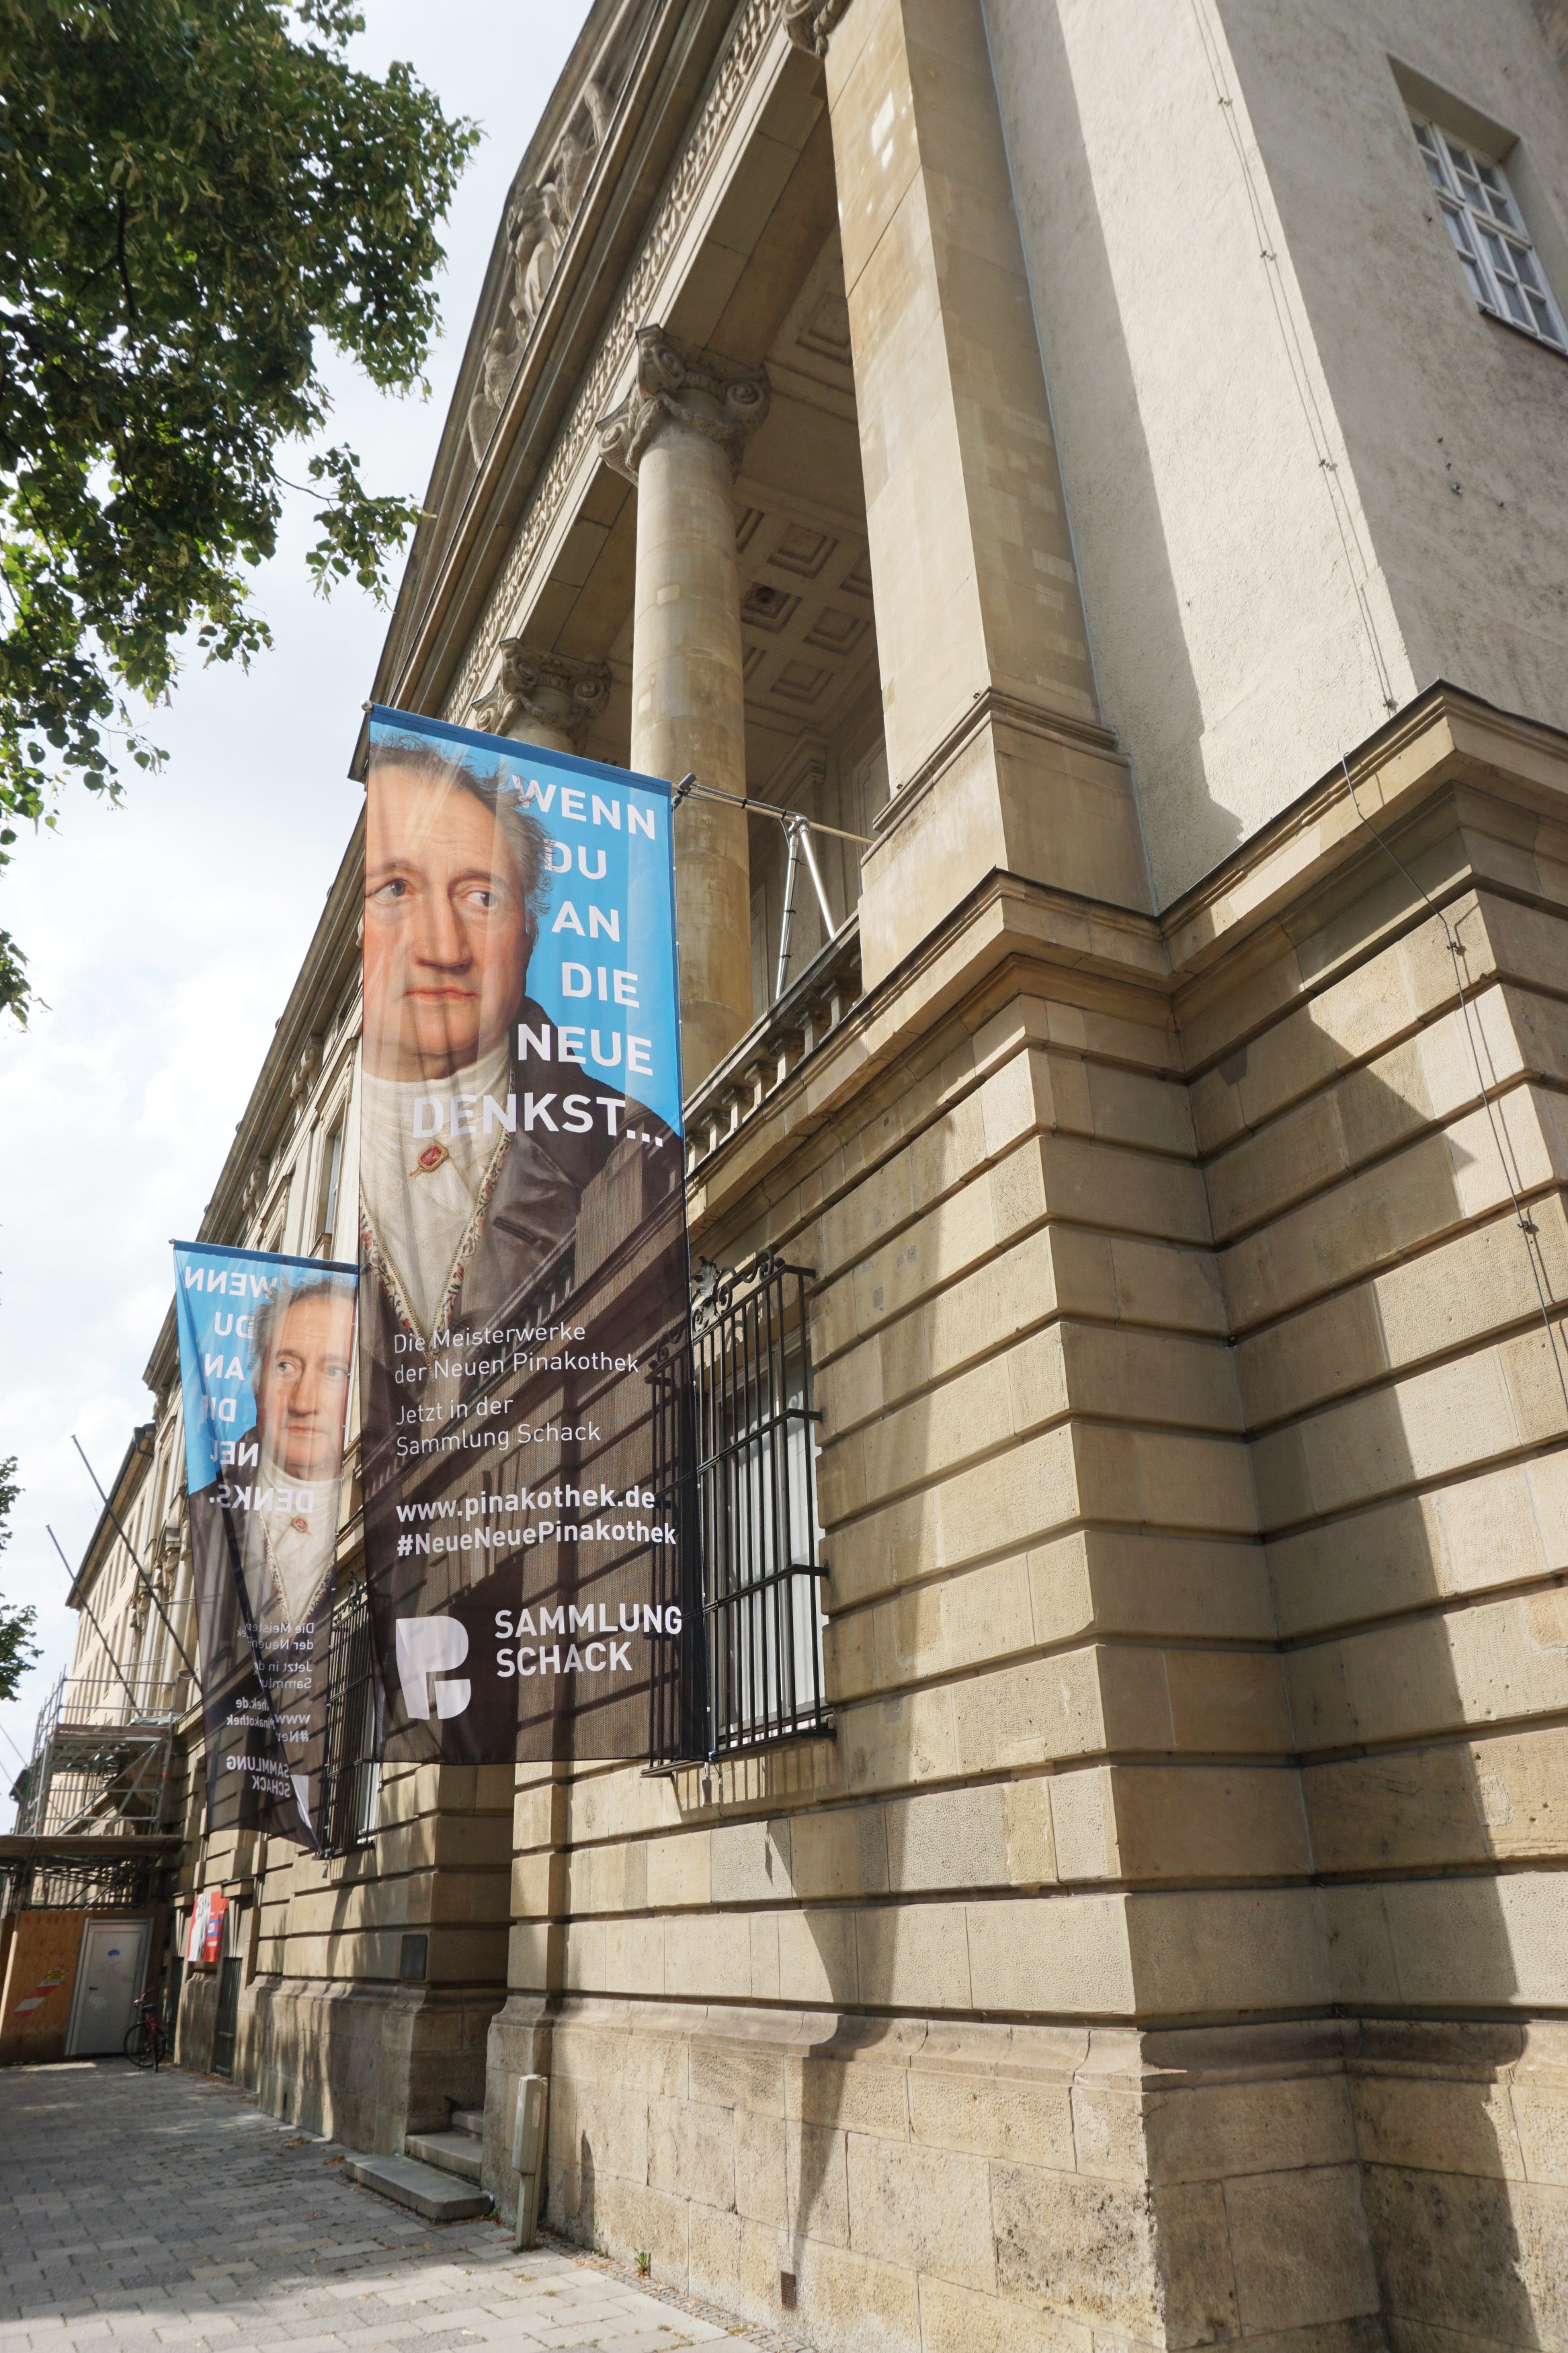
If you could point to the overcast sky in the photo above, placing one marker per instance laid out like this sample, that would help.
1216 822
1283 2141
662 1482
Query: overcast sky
164 937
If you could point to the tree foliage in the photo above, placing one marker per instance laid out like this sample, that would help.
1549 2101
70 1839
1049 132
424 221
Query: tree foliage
17 1650
196 197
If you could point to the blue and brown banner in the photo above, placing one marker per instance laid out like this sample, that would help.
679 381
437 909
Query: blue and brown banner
523 1249
267 1347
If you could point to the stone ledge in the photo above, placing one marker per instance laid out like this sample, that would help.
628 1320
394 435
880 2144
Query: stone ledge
436 2197
1444 737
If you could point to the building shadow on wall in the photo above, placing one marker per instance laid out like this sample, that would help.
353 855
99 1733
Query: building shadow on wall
1387 1511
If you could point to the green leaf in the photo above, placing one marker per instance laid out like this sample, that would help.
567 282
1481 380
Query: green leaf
199 196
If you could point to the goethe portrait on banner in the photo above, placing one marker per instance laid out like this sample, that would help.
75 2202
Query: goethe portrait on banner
462 1199
523 1243
278 1494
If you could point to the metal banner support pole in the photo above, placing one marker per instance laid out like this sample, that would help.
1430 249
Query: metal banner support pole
151 1589
791 833
804 830
93 1616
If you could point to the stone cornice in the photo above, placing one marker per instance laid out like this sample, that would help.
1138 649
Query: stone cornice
598 382
542 209
992 706
1010 926
457 596
1444 736
456 486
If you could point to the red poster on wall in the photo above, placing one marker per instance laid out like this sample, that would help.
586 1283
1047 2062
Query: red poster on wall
205 1942
212 1941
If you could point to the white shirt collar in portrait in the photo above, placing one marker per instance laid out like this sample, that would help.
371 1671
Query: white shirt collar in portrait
420 1200
292 1541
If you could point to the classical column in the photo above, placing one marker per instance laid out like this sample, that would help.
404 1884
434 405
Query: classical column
679 436
544 698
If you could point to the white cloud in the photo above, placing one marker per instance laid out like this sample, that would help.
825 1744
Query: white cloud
164 936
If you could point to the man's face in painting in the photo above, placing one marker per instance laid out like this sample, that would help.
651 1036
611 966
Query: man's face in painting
447 941
304 1388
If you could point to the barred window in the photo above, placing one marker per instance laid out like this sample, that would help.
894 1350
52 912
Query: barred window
736 1430
351 1778
1495 253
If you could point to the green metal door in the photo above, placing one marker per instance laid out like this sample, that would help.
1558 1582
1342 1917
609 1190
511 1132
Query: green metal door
228 2019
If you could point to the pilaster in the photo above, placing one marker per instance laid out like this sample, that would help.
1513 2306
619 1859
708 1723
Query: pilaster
997 748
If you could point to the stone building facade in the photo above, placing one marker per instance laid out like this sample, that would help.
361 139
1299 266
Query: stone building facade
1063 448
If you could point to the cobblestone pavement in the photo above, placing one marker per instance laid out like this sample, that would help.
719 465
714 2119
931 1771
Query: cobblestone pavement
145 2212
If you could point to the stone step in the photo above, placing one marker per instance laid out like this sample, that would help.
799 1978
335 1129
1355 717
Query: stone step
438 2196
470 2121
449 2152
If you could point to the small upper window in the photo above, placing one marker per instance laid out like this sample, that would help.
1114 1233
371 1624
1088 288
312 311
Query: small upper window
1489 236
332 1172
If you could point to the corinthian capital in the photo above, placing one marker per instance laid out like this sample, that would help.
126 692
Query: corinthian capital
809 22
720 399
549 690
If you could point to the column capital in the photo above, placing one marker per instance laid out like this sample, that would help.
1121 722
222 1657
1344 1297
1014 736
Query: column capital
722 399
810 23
556 691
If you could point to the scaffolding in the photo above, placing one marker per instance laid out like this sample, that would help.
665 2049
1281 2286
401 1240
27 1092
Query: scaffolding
93 1802
96 1875
101 1757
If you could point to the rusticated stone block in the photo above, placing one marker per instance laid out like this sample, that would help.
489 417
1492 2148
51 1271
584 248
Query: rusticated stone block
1086 2248
1437 2125
959 2320
714 2255
925 2210
1028 2123
1466 1802
859 2096
1217 2132
1487 2258
913 1958
761 2167
690 2152
1119 2256
731 2074
817 2186
1299 2241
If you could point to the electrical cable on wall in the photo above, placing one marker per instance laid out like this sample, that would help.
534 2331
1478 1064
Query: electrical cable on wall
1323 441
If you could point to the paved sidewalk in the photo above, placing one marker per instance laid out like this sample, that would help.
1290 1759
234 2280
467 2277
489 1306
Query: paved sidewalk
165 2213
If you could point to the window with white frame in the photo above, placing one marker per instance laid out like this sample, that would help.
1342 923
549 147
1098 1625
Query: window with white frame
1482 218
277 1225
328 1180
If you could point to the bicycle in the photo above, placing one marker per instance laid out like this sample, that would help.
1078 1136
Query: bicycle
145 2043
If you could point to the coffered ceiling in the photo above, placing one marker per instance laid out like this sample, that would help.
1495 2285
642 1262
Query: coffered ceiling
806 620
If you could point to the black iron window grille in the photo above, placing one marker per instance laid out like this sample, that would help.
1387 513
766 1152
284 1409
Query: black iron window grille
735 1432
351 1779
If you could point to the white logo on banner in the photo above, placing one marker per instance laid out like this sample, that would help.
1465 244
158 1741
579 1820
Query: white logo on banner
426 1647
